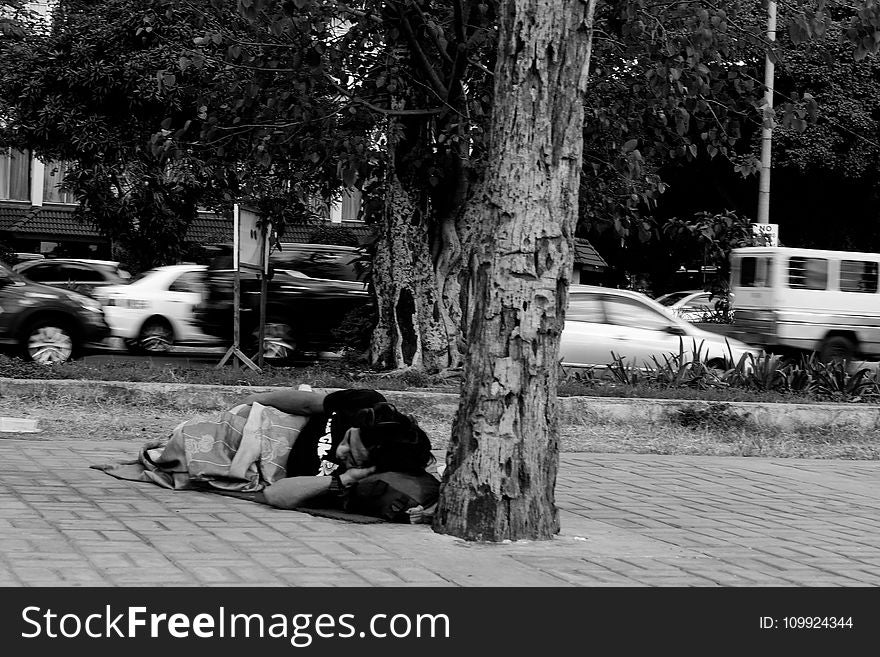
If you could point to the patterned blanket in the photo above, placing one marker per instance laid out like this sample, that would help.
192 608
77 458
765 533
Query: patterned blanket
236 452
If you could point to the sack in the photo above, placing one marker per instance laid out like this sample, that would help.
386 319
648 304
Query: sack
388 495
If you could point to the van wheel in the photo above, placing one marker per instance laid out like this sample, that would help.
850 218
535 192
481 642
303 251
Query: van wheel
837 349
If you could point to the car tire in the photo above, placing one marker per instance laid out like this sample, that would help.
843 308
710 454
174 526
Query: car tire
50 341
717 366
279 343
156 337
837 348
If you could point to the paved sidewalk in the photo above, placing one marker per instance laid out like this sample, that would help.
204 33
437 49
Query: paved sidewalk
628 520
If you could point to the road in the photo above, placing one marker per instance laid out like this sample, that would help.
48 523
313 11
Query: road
113 350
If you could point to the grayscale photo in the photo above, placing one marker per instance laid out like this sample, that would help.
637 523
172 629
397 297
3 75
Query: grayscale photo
447 294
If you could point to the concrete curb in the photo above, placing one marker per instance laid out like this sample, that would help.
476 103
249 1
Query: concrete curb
442 406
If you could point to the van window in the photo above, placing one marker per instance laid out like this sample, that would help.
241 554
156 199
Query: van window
807 273
858 276
754 272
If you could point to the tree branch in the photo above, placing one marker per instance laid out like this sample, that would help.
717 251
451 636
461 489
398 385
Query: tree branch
436 84
376 108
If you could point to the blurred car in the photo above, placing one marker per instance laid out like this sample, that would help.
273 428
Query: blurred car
79 275
695 305
155 311
601 321
46 324
312 289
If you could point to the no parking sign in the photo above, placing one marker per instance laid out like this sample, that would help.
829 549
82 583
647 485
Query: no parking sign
769 233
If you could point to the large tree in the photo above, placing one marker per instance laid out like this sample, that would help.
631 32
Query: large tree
504 451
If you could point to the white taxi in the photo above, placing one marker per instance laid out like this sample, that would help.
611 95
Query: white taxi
155 311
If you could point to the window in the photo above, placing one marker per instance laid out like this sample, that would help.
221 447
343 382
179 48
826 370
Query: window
351 204
671 298
43 273
585 308
55 172
81 274
754 271
318 263
698 303
629 312
807 273
15 169
188 281
858 276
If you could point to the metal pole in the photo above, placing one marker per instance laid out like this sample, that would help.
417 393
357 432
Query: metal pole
236 282
767 132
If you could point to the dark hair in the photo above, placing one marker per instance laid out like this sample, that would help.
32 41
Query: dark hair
395 441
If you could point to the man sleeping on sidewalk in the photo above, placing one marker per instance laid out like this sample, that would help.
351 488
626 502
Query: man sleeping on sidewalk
347 450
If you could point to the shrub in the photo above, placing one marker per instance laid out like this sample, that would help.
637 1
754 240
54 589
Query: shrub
713 416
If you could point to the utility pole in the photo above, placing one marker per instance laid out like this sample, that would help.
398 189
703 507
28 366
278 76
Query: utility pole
767 132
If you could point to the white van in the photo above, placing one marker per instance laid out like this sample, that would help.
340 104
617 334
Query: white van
807 299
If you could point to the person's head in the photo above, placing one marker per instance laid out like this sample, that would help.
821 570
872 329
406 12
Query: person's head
386 438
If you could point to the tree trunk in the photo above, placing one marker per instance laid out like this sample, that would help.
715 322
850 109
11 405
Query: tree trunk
418 276
503 456
409 333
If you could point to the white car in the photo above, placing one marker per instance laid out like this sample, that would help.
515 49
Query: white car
155 311
691 305
602 320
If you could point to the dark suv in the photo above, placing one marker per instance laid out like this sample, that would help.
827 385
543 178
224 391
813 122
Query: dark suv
313 287
47 324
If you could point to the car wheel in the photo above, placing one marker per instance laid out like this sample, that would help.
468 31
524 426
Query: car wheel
156 336
716 367
279 343
837 348
49 342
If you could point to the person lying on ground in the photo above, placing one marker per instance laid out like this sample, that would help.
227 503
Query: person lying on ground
347 450
350 435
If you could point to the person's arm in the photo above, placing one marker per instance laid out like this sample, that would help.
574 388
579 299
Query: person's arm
290 400
293 492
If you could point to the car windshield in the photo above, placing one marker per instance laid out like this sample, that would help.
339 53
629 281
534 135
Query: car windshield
672 297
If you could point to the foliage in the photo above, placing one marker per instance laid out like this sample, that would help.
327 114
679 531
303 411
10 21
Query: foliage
333 234
356 328
711 416
706 241
84 91
676 106
835 381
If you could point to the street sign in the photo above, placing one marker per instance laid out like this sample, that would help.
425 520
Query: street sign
769 233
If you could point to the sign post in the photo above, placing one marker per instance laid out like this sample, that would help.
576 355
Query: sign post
249 254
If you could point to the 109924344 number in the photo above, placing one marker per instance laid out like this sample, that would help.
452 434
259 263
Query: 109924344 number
816 622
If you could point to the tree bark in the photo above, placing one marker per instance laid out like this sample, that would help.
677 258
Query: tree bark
503 457
409 333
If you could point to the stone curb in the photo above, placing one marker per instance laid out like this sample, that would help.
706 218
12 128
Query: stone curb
442 406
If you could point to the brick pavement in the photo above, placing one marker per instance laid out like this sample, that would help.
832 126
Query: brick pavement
628 520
